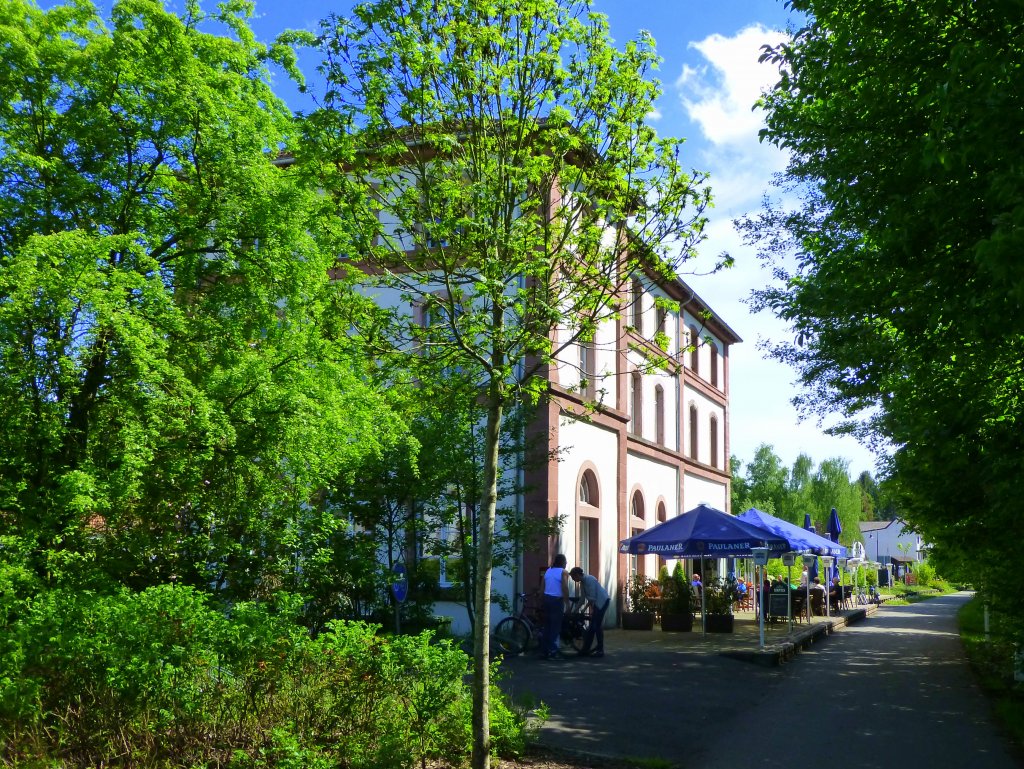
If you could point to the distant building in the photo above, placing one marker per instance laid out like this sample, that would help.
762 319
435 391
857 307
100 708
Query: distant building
892 544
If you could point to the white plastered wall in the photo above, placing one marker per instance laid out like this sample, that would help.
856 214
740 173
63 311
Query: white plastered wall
581 443
655 481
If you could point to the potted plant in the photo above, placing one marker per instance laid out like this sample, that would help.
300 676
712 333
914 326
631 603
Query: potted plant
641 603
719 596
676 606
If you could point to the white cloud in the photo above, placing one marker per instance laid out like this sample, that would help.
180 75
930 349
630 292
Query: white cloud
719 94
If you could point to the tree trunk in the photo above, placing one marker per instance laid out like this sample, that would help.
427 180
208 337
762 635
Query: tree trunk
484 561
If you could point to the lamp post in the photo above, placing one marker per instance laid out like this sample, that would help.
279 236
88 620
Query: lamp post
826 561
760 559
808 562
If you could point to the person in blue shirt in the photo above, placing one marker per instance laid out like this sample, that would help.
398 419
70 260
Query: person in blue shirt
556 597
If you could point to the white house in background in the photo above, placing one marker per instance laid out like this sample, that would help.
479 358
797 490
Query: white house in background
891 543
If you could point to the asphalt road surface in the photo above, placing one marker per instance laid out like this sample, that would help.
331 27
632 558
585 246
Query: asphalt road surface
892 691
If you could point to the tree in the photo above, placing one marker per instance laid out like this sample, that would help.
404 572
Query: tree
902 122
767 479
831 487
497 161
176 380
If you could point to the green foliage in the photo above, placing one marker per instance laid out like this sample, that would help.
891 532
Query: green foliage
160 678
675 591
790 493
177 382
900 120
719 595
641 589
925 573
992 658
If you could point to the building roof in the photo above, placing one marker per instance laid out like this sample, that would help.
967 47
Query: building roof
875 525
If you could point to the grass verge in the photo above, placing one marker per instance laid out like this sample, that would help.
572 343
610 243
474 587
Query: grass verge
992 660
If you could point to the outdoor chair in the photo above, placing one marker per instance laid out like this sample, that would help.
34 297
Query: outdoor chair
817 603
746 601
799 603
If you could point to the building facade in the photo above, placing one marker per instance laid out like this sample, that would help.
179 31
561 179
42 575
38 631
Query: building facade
655 444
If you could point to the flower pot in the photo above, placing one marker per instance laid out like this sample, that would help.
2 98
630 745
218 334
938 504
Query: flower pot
720 623
677 623
633 620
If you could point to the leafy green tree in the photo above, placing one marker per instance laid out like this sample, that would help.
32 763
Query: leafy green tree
496 159
902 121
739 492
767 479
831 487
176 378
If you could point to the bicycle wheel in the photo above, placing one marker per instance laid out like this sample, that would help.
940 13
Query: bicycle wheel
576 627
511 636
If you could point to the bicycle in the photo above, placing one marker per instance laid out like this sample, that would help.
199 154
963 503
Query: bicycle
524 628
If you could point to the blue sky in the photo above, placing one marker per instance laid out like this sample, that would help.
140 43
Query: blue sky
711 78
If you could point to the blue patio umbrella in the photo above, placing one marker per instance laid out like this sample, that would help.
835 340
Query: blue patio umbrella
703 531
835 528
800 540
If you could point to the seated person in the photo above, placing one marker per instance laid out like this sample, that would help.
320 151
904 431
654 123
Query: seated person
835 592
817 597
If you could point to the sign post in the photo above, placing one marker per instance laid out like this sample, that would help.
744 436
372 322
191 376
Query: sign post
400 590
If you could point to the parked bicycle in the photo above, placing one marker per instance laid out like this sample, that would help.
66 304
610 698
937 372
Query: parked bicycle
524 628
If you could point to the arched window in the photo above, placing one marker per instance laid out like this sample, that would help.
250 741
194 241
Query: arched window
693 431
636 505
713 443
694 352
589 493
637 403
662 513
587 515
637 306
659 414
714 365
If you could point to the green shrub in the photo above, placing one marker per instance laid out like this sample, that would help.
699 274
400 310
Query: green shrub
925 573
161 678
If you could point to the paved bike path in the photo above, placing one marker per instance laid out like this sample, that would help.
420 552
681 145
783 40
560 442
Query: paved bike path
892 691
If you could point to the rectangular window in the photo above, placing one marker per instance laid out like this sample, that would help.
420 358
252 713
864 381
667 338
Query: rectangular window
588 369
637 307
659 414
583 561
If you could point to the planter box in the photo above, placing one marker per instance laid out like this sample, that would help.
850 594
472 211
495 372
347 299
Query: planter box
677 623
720 623
637 620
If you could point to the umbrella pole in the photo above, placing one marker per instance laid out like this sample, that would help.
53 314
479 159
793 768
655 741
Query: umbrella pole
789 599
703 602
760 613
807 599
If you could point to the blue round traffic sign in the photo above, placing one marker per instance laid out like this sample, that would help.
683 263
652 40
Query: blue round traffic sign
400 587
